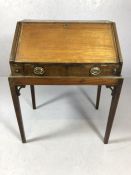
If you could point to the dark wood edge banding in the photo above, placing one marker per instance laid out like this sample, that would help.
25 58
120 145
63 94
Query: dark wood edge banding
29 80
117 42
15 42
65 21
67 63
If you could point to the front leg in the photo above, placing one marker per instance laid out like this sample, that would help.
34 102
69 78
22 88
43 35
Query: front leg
15 92
115 98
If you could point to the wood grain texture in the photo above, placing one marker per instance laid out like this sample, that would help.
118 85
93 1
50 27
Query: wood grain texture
65 42
36 80
66 52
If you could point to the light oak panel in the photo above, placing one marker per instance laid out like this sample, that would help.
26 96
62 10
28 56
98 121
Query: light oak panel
67 43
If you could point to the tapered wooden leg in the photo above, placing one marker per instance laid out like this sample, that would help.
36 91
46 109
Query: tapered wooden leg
98 96
16 103
33 96
114 103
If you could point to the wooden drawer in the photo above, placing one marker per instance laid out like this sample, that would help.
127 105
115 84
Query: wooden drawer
35 69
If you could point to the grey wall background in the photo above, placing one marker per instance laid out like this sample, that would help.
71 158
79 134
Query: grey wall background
13 10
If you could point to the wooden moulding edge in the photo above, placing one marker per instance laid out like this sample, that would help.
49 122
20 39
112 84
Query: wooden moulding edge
29 80
15 42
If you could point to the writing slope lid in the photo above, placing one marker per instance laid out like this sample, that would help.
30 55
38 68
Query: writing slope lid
66 42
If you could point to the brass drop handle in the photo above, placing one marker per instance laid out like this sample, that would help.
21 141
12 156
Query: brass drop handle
39 71
95 71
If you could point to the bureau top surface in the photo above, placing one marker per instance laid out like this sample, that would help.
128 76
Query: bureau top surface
65 42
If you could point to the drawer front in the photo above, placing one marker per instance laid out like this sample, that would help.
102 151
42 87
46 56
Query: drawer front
17 69
66 69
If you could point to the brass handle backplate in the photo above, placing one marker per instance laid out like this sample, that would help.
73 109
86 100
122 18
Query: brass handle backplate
39 71
95 71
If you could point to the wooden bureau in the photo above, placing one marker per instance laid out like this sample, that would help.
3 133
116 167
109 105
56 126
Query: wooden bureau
66 52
